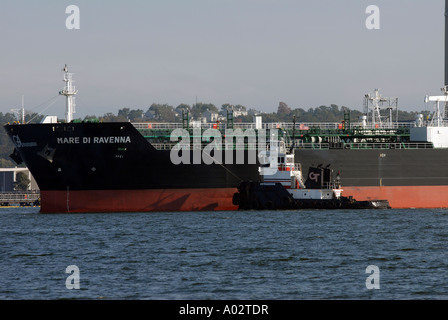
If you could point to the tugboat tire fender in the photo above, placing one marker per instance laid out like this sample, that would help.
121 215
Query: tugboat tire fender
236 199
286 201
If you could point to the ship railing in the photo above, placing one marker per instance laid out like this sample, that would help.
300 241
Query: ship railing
19 196
290 167
191 146
402 145
312 145
364 145
249 125
393 125
331 185
147 125
274 125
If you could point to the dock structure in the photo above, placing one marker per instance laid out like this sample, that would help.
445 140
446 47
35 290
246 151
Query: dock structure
20 198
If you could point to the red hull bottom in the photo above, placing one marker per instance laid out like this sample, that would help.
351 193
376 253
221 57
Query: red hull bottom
218 199
403 197
138 200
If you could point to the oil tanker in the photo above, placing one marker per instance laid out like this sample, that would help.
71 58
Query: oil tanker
84 166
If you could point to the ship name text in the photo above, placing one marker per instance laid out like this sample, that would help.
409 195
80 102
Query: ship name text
80 140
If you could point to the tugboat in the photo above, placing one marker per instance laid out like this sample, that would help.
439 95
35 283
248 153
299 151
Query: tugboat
283 187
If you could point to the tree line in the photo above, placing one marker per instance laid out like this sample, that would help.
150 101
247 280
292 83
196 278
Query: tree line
163 112
168 113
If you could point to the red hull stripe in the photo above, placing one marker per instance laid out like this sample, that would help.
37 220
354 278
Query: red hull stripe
218 199
403 197
138 200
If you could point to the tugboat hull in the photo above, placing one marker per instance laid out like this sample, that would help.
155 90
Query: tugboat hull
259 196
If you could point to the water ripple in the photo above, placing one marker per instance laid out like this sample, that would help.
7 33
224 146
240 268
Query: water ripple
225 255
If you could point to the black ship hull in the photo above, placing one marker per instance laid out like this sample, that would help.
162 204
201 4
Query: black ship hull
102 167
407 178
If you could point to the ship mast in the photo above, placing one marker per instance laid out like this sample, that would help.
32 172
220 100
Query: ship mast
21 112
445 86
69 91
374 102
438 121
376 98
446 44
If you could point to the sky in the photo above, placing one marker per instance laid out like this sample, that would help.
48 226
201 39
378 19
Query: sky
257 53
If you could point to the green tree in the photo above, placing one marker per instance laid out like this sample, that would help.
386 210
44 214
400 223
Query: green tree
135 115
183 107
127 114
110 117
163 112
33 117
199 108
6 163
283 111
22 182
124 112
6 145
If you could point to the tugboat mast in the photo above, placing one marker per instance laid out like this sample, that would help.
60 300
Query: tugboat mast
69 91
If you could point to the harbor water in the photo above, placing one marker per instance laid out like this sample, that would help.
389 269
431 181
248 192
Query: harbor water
290 255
